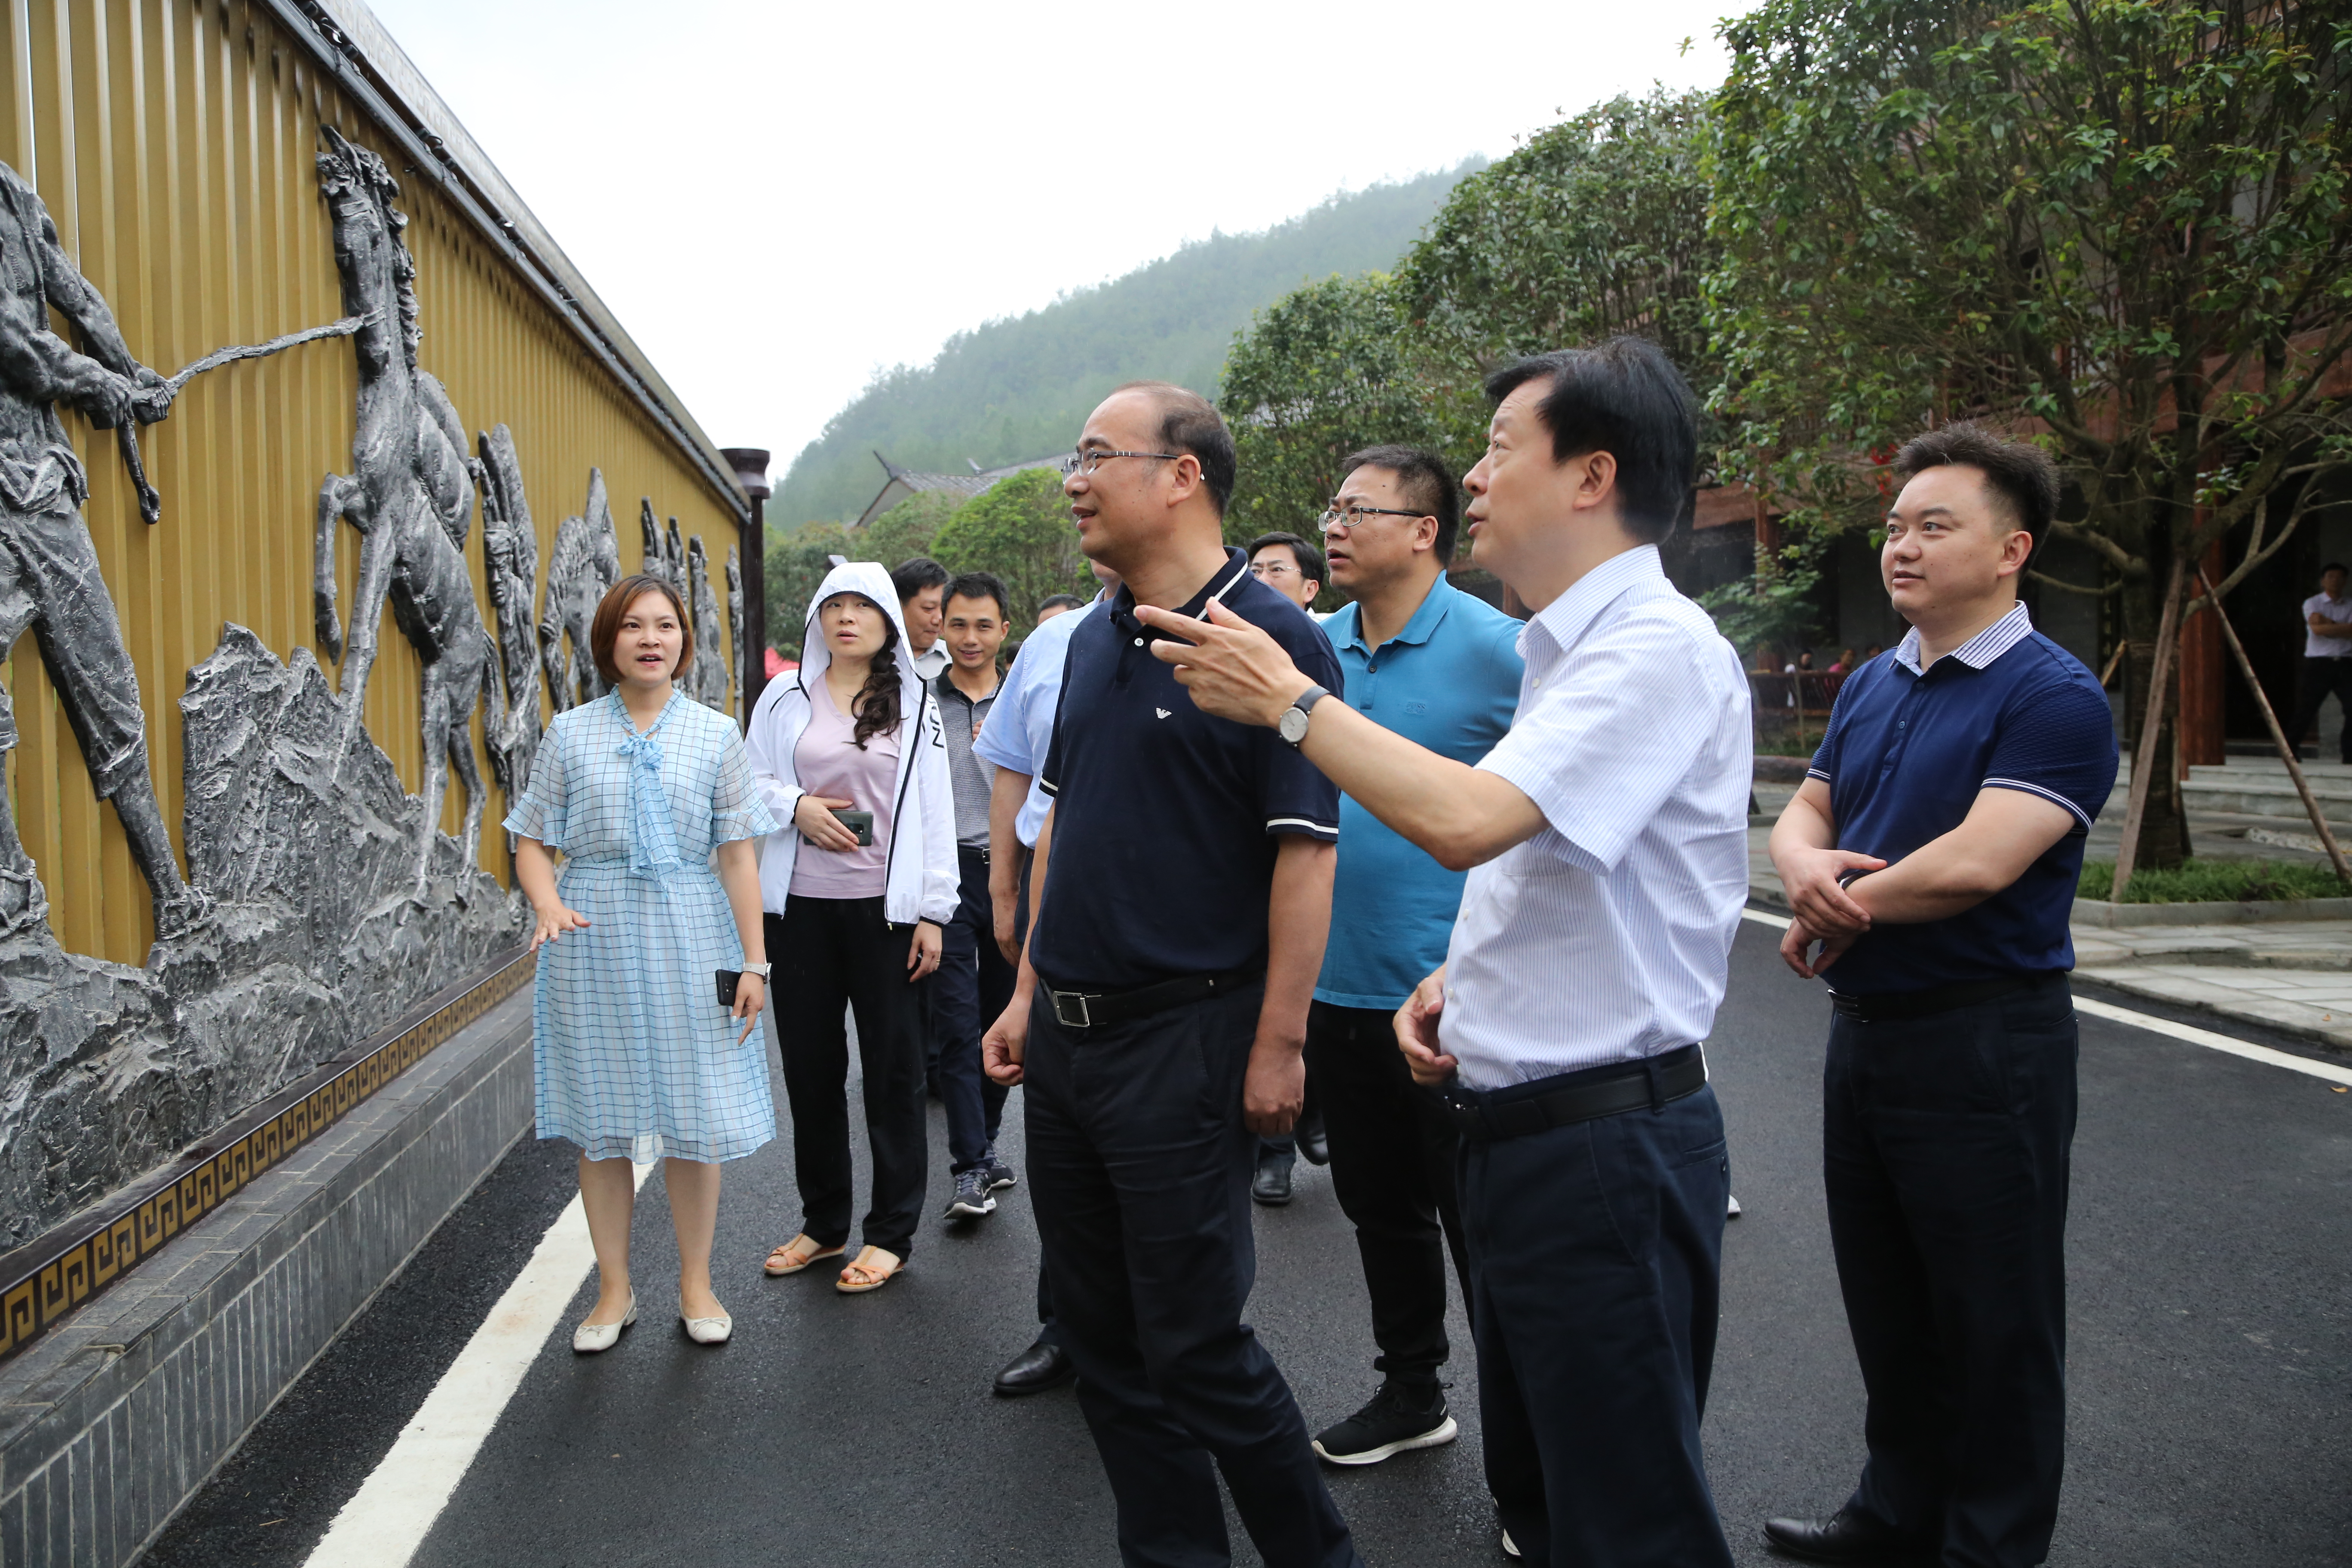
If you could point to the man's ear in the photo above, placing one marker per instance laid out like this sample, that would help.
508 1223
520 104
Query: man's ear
1596 478
2016 552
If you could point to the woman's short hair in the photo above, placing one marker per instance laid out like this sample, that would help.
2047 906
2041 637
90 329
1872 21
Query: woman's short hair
605 632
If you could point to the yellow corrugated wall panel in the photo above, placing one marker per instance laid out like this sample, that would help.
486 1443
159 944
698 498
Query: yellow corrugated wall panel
173 142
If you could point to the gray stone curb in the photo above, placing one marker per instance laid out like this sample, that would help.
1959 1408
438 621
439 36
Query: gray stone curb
113 1420
2248 911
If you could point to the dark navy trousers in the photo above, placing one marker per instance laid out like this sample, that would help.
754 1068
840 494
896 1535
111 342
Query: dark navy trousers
971 988
1595 1253
1946 1145
1139 1171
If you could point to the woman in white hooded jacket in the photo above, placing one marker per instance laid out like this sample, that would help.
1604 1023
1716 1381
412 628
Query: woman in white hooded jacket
854 923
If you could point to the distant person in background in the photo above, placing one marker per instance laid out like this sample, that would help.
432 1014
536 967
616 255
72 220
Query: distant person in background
1933 854
975 980
923 586
1054 604
2327 656
1293 568
1804 665
1016 744
1442 668
1289 565
1873 651
1844 662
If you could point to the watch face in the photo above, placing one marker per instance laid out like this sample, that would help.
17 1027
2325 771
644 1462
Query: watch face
1294 725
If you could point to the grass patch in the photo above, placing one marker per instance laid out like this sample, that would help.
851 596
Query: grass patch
2213 881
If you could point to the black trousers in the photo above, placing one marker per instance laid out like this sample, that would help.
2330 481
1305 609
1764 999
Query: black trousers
1595 1254
830 953
1139 1171
1946 1144
1393 1166
970 989
2322 678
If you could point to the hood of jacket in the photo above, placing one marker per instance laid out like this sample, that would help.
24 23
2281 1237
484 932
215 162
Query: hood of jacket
868 581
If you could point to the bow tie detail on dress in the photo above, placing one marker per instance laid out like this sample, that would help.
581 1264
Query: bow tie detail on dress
653 843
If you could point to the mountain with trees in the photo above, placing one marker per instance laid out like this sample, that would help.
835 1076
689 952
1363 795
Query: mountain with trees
1020 387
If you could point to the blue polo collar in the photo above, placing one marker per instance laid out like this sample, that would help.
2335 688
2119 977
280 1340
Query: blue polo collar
1978 650
1418 627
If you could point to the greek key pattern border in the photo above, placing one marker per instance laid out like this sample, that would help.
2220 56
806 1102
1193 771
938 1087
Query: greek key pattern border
67 1267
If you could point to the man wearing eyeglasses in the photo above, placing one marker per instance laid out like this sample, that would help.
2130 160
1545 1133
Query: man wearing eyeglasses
1442 668
1161 1013
1289 565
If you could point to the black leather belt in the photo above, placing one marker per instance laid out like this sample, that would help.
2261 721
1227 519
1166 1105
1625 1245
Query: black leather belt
1892 1006
1585 1095
1080 1009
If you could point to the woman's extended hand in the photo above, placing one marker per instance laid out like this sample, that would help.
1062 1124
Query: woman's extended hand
923 953
553 921
812 815
751 996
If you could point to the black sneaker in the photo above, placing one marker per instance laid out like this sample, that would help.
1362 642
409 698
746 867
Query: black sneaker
1000 1175
971 1200
1395 1421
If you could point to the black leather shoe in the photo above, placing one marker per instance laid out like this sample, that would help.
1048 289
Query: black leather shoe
1271 1185
1040 1367
1314 1146
1847 1536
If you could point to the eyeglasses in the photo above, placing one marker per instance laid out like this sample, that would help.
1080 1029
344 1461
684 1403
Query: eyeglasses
1087 462
1271 568
1353 517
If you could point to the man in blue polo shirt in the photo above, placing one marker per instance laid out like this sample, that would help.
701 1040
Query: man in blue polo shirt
1162 1008
1931 858
1442 668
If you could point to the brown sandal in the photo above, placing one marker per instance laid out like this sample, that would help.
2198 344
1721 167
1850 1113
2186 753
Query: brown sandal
873 1268
795 1259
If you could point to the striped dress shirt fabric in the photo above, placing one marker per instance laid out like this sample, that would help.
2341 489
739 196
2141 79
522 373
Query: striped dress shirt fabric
1607 936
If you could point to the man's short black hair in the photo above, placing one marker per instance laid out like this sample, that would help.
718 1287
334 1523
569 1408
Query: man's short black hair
1627 399
1308 559
917 573
1060 602
2020 476
1426 481
1190 423
982 585
2331 566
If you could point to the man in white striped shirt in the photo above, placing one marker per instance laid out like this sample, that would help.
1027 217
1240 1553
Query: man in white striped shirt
1606 841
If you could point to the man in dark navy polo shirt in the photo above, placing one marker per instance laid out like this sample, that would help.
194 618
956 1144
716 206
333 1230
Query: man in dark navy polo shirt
1932 855
1162 1008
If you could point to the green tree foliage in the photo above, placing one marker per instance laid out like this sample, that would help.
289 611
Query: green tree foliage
1020 388
1020 529
1596 226
908 529
2123 219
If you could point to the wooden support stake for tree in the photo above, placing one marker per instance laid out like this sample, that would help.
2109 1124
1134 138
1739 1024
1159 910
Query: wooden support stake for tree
2278 735
2151 726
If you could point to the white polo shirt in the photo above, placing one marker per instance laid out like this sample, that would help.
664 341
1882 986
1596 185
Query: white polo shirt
2315 645
1607 936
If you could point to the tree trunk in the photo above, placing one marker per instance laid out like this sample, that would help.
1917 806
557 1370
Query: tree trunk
2164 829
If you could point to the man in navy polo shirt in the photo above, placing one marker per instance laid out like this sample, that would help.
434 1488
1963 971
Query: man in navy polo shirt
1162 1008
1932 856
1442 668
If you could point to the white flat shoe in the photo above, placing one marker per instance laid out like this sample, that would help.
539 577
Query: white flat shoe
590 1338
706 1330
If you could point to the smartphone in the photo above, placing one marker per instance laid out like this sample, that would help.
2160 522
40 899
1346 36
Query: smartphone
861 823
727 979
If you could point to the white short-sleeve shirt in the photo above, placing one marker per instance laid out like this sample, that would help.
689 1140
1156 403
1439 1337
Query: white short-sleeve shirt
1607 936
2315 645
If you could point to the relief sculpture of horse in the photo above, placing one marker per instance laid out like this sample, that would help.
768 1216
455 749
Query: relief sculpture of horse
410 494
585 564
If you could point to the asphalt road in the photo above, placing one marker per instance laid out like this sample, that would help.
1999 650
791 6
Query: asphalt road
2210 1330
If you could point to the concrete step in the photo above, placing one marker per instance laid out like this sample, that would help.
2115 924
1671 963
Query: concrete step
2241 789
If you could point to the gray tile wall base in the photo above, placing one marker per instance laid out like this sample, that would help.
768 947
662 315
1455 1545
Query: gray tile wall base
114 1418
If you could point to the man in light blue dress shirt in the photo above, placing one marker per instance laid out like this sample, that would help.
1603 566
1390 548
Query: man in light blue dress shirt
1606 841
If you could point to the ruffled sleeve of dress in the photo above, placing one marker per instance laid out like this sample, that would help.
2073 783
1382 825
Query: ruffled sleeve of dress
539 813
737 811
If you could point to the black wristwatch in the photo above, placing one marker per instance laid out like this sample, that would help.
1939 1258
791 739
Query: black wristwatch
1292 725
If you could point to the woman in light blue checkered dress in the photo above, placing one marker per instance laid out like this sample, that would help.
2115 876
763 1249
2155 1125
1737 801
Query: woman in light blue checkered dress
636 1057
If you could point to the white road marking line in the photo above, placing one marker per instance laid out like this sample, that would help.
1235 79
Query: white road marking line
386 1519
2188 1032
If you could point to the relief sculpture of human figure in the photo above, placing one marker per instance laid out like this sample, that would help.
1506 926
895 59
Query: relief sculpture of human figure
411 496
49 578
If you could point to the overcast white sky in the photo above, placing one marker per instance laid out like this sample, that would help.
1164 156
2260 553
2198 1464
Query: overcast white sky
779 198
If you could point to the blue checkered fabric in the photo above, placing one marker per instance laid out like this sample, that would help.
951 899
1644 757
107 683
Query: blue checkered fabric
634 1057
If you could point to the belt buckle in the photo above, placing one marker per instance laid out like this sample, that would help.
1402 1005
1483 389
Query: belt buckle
1062 999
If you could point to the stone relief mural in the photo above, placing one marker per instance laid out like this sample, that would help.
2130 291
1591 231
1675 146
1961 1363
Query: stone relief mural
584 564
321 899
736 653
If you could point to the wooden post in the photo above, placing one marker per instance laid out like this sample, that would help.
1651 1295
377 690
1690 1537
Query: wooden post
2278 735
2151 725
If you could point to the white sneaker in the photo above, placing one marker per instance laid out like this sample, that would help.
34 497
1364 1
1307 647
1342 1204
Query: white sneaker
590 1338
1510 1547
1733 1211
706 1330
